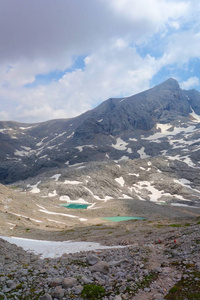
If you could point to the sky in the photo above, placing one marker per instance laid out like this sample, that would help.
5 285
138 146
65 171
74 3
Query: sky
61 58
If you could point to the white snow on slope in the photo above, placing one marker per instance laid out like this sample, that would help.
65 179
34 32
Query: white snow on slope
56 177
53 194
165 133
25 217
120 144
142 153
60 214
80 148
129 150
195 117
52 249
186 183
35 189
68 200
124 157
72 182
97 197
120 180
133 139
186 159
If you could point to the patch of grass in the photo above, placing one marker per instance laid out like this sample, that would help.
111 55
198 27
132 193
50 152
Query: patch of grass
187 224
188 288
92 292
175 225
27 229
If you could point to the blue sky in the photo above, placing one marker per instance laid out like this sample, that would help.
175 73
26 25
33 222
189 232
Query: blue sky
61 58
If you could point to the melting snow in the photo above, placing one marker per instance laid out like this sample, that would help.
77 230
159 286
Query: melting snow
142 153
22 216
60 214
124 157
72 182
195 117
53 194
120 180
154 195
120 144
67 199
52 249
56 177
80 148
137 175
35 189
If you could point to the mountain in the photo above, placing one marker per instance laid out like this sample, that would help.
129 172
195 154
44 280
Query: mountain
122 128
123 157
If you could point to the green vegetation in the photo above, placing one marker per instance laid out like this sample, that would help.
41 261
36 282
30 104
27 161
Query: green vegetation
92 292
188 288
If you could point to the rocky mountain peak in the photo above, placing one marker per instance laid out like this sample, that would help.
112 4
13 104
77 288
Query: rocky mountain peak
28 149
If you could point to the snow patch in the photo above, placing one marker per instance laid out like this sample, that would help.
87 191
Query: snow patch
35 189
120 144
72 182
56 177
120 180
142 153
52 249
195 118
53 194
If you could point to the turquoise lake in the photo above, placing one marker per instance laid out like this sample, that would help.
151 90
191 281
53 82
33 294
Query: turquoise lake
118 219
76 205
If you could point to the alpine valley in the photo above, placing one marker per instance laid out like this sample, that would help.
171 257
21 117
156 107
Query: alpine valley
135 157
142 148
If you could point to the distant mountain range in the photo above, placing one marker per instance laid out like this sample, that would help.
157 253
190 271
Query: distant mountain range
161 121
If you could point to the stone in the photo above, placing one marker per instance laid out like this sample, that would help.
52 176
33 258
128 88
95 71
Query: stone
85 280
45 297
69 282
58 293
101 266
92 259
78 289
55 282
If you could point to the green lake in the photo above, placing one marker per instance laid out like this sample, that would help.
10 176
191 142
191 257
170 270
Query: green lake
118 219
76 205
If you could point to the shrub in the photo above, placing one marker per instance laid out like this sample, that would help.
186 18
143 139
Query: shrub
92 292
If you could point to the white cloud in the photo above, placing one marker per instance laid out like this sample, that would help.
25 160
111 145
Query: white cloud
190 83
110 72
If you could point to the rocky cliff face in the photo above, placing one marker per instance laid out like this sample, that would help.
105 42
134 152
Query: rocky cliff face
161 121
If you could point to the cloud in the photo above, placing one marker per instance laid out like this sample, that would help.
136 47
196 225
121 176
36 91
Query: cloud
190 83
124 42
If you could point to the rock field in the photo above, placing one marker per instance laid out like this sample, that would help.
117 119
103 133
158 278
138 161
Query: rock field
160 260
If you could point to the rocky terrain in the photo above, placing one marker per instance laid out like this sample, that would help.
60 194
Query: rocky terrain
129 157
160 260
163 121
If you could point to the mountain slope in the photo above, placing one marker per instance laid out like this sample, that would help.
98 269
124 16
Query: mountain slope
162 120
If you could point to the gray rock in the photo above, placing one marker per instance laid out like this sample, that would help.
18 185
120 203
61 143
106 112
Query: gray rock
55 282
45 297
58 293
69 282
78 289
92 259
85 280
101 266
